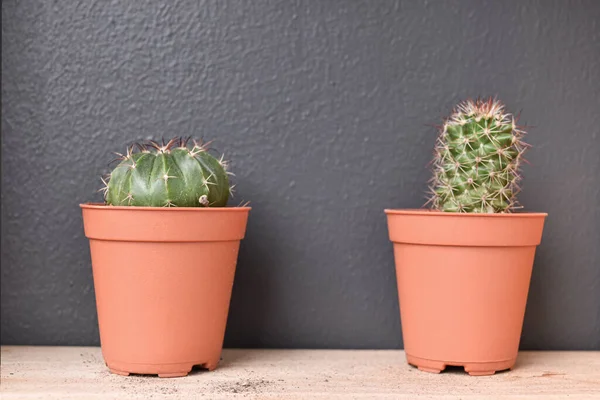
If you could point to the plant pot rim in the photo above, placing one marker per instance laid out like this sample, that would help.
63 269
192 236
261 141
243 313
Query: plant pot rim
462 229
164 224
101 206
432 213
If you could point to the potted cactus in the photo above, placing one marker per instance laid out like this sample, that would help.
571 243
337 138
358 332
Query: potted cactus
164 249
463 268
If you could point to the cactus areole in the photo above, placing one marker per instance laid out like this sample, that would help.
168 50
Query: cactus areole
477 158
175 174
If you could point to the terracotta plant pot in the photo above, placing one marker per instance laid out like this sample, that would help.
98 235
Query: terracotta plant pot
163 280
462 283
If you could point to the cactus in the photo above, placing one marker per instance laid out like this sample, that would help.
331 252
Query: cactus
476 160
168 175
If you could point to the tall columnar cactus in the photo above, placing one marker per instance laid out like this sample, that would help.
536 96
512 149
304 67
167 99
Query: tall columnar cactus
477 158
174 174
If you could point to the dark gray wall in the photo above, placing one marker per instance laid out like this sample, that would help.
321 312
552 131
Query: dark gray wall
325 108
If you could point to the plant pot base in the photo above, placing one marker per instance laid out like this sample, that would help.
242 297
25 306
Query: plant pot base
118 372
162 370
163 375
472 368
163 279
174 374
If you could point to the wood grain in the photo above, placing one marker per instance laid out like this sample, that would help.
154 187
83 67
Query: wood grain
80 373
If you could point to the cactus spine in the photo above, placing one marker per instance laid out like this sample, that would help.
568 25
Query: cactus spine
168 175
477 158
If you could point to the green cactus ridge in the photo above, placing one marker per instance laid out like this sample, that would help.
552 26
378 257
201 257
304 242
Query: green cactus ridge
477 159
168 175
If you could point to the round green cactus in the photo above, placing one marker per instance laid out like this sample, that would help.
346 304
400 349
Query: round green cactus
168 175
477 158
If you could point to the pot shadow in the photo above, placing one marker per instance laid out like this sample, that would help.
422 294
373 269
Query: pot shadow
460 370
251 301
251 310
536 321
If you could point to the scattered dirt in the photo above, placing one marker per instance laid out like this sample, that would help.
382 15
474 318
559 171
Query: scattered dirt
242 386
90 359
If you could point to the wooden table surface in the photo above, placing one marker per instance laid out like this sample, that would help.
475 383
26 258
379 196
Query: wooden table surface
80 373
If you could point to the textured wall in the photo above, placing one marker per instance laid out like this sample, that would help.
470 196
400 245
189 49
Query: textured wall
325 109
